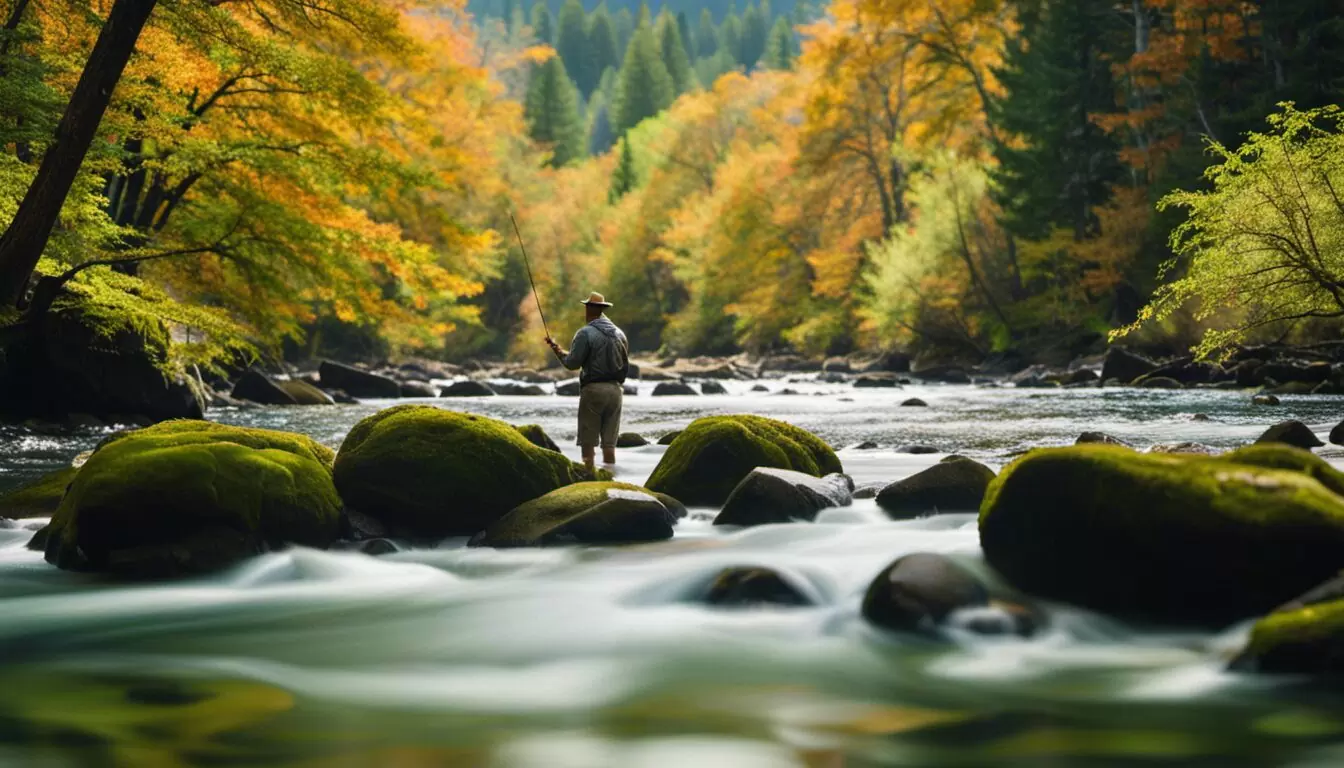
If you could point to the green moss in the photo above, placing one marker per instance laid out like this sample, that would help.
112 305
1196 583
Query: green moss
1283 456
538 437
711 456
432 472
38 497
192 496
1182 538
1308 640
632 513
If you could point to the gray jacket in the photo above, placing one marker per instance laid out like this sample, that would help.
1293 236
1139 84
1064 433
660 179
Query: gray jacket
601 350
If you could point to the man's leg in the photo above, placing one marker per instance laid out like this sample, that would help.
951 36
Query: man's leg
611 425
590 423
590 452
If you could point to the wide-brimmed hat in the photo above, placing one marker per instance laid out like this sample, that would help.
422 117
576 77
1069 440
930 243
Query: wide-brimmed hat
596 299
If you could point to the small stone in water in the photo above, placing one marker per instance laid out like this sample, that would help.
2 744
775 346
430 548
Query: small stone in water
917 449
1264 400
753 587
914 402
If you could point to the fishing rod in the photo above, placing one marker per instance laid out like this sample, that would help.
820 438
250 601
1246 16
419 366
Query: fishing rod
528 265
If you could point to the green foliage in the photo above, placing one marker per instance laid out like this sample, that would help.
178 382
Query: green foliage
38 497
623 179
687 38
706 35
674 55
552 113
571 43
644 86
755 33
730 37
600 134
625 30
1263 245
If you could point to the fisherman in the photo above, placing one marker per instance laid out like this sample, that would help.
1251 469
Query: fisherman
601 350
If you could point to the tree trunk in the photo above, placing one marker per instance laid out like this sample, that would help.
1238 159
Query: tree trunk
22 244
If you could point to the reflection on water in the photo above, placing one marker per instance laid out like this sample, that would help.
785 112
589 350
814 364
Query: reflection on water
599 657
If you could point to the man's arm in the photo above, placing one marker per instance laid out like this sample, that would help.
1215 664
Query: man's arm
577 354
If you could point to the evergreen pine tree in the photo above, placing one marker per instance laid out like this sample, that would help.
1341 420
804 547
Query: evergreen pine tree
644 88
601 52
644 19
674 55
623 178
625 29
687 39
543 26
552 112
571 42
1062 169
779 48
600 135
706 36
755 33
730 37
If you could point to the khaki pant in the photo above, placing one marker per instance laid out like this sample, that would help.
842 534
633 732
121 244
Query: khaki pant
600 414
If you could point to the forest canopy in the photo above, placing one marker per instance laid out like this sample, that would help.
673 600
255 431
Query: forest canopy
961 178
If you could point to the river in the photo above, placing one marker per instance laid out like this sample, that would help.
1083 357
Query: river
595 657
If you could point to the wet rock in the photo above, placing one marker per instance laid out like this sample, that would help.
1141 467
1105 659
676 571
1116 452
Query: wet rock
666 388
188 497
424 471
1293 373
630 440
585 513
918 592
39 541
669 437
377 547
1264 400
1291 388
1245 373
1195 449
257 387
914 402
1200 417
419 389
538 437
1219 538
997 619
1304 637
342 397
748 587
516 390
957 485
1125 366
1098 437
1080 376
1336 435
889 362
38 497
714 454
712 388
759 388
836 365
781 496
1293 433
1158 382
1188 372
467 388
1327 388
629 389
915 448
356 382
868 490
866 445
948 374
571 388
876 381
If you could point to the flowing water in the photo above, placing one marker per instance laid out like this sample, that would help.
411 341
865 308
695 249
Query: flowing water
595 657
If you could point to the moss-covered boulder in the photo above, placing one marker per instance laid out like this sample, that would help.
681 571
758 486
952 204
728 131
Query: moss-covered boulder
188 497
711 456
38 497
1309 640
538 437
956 484
1177 538
586 513
424 471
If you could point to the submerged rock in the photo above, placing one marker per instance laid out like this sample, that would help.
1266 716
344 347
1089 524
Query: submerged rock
418 389
957 485
255 386
630 440
920 591
712 388
1182 539
1337 434
753 587
538 437
780 496
917 449
666 388
38 497
586 513
188 497
516 389
712 455
876 381
1158 382
914 402
1098 437
1293 433
1264 400
571 388
356 382
424 471
669 437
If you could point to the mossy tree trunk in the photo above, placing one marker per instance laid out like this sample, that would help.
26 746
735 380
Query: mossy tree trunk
23 242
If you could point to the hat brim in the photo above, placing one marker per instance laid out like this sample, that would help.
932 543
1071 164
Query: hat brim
596 303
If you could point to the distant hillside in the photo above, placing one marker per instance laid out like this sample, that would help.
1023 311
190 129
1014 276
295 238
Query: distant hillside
692 8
